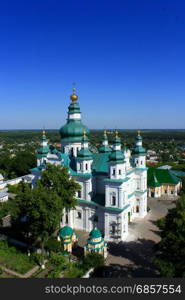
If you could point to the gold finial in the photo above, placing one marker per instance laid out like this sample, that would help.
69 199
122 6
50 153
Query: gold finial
138 133
105 133
74 97
116 134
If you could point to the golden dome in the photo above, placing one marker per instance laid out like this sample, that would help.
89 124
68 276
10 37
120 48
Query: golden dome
74 97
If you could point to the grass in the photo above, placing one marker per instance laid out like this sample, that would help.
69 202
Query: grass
14 259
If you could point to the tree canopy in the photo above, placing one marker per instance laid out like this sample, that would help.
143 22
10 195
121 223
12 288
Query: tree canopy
41 207
170 255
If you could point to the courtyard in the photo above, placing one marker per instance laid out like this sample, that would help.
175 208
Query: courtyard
133 258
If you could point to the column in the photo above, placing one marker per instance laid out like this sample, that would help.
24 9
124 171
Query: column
120 197
86 219
106 227
87 196
106 195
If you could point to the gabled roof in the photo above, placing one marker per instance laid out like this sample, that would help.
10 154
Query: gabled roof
157 177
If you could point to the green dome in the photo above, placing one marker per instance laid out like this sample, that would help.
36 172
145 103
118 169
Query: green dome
139 138
73 108
103 149
117 156
66 231
84 154
117 140
95 233
43 150
139 150
73 131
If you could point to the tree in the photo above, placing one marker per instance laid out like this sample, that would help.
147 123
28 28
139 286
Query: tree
42 206
93 260
170 251
4 210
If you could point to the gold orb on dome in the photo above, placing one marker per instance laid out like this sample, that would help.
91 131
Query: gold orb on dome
74 97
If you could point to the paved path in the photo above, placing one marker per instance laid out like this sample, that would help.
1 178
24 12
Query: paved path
133 258
26 275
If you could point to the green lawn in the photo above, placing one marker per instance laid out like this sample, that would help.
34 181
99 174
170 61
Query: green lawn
14 259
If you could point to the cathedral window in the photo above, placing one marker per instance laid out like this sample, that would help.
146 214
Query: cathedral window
79 194
113 200
86 166
119 172
79 215
113 172
113 229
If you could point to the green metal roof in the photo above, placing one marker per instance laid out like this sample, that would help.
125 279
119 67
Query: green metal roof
157 177
66 231
73 108
139 150
95 233
73 131
100 201
101 163
103 149
43 150
117 156
117 180
84 154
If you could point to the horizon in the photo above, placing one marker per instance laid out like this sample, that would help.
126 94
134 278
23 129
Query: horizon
101 129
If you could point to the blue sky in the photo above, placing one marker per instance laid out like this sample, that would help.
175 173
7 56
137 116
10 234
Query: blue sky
127 58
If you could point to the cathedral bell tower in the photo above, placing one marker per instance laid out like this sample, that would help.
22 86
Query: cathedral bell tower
117 160
139 153
43 151
72 132
84 157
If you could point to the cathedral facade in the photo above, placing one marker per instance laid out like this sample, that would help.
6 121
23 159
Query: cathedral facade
113 179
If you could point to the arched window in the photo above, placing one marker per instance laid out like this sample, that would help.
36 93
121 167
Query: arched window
79 194
86 166
113 199
79 215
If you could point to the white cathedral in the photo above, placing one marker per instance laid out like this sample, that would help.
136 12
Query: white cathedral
113 180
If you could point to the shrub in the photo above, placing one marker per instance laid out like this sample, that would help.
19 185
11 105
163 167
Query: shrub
93 260
54 273
58 261
52 245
